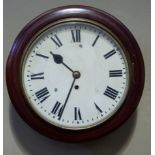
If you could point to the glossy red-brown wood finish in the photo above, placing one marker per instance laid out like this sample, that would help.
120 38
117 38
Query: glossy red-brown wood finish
17 51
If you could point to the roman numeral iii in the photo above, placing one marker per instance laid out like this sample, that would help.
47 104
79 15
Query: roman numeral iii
42 94
37 76
77 113
76 35
111 93
56 40
115 73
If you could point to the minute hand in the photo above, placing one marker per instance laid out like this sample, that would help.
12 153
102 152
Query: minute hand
62 110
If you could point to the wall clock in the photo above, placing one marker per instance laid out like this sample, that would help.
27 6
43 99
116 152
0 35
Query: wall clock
75 73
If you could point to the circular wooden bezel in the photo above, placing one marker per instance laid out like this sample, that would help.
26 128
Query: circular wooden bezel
17 51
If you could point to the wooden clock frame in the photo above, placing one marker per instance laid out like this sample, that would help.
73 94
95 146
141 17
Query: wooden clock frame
13 70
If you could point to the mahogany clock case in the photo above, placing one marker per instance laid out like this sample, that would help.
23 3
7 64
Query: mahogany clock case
13 71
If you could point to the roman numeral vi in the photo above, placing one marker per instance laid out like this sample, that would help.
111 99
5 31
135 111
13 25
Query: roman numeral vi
77 113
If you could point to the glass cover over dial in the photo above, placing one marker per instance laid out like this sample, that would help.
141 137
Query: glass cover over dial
75 75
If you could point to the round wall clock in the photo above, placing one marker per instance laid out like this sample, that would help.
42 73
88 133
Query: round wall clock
75 73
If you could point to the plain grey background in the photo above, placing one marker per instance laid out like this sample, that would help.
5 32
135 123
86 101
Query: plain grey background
133 138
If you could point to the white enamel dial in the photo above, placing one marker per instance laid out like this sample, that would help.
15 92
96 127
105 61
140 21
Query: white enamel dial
75 75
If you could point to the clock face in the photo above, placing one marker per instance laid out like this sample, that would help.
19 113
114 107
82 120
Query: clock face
75 75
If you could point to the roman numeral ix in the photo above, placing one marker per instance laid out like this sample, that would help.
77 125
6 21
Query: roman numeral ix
76 35
115 73
37 76
77 113
56 40
42 94
110 92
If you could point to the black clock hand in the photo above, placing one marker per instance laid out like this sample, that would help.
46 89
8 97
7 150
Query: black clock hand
59 60
62 110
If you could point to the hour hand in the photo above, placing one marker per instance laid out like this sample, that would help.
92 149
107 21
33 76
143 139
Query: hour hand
58 59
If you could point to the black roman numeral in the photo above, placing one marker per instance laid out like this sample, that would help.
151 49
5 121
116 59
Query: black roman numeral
109 54
115 73
77 113
98 108
57 108
42 94
95 40
37 76
76 35
56 40
110 92
43 56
